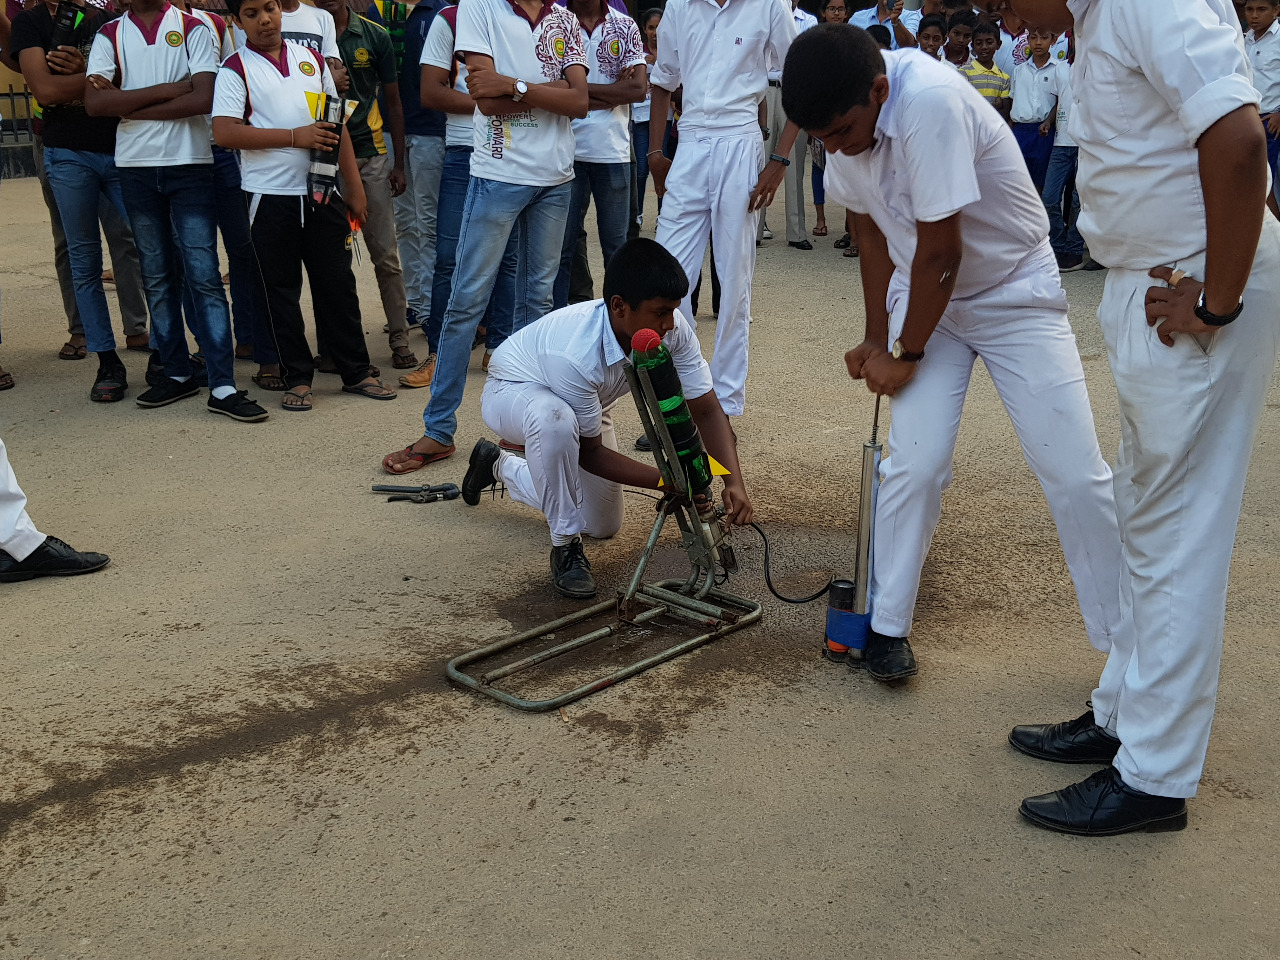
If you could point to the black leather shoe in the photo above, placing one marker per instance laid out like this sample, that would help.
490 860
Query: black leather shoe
168 391
800 244
1076 741
889 658
571 571
110 385
1104 806
643 443
480 474
53 558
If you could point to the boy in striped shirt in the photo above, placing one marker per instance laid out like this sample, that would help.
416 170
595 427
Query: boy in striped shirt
988 79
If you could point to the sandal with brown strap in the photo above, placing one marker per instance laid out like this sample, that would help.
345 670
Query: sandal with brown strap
415 460
403 358
6 380
270 381
371 390
851 251
71 351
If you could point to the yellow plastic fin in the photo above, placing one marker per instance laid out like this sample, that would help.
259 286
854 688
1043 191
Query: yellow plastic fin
717 470
313 103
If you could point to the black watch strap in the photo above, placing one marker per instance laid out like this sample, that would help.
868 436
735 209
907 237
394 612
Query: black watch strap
782 160
1216 320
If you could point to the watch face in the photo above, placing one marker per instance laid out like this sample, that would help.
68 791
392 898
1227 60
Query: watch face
897 350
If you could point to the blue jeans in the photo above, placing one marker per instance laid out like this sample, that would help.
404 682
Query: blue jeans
1062 171
609 184
77 179
815 178
175 226
499 315
493 211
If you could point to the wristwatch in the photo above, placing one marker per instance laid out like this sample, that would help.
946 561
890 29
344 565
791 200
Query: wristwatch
899 352
521 89
1213 319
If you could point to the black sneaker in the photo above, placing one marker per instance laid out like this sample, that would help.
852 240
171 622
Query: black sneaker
238 406
889 658
155 370
571 571
1070 262
1092 266
110 385
168 391
480 474
643 444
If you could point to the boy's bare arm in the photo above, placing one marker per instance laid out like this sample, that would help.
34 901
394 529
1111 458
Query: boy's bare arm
718 438
48 87
395 127
438 93
493 91
102 98
197 103
597 459
630 87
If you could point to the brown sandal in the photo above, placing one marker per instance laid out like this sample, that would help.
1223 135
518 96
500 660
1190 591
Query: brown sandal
403 360
270 381
851 251
70 351
6 380
423 459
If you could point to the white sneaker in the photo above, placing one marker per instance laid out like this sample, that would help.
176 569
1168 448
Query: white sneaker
767 234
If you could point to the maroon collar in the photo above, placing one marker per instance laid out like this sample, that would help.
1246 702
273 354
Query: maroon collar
149 33
520 11
282 64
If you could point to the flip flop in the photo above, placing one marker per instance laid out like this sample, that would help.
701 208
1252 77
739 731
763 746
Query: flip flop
423 459
366 390
843 242
270 381
851 251
70 351
819 231
303 407
6 380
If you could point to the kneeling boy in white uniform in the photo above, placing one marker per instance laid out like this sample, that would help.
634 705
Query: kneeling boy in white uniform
552 387
956 265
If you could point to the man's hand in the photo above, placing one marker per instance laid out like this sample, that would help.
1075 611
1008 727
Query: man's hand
1174 307
771 178
885 376
1046 128
318 134
856 359
659 167
485 84
65 61
737 505
895 11
358 205
1273 124
341 79
398 181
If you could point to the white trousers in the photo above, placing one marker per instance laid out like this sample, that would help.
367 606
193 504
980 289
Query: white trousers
548 478
18 535
1188 417
1021 332
708 190
793 185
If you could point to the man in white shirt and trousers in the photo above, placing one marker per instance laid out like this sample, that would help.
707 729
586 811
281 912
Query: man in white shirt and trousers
1173 184
719 50
956 265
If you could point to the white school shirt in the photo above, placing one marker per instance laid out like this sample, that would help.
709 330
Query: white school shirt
1062 137
223 44
1013 50
1035 90
870 17
533 148
604 136
437 51
272 96
1149 80
721 55
803 21
309 26
1264 58
176 48
900 181
574 353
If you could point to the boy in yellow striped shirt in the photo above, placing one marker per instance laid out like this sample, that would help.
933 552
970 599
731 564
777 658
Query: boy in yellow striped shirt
982 72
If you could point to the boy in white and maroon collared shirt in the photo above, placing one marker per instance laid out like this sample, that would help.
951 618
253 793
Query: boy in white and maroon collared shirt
618 77
261 108
527 72
720 55
154 68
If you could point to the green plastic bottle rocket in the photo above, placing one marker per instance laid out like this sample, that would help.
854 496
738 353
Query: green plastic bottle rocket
649 353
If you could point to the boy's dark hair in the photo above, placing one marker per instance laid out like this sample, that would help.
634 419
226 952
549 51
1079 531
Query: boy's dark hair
954 5
881 35
986 28
233 7
963 18
933 20
830 69
641 270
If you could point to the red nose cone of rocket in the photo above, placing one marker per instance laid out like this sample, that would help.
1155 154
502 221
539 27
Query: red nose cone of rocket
645 340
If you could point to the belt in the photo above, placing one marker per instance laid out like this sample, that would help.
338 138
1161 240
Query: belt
775 83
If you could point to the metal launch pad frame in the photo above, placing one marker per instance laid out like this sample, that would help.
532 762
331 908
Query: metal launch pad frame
695 600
